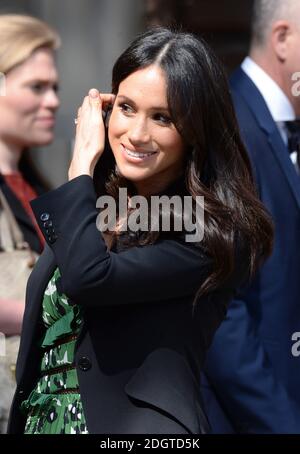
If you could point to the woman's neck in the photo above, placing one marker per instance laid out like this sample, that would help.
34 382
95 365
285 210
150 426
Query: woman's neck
148 188
10 156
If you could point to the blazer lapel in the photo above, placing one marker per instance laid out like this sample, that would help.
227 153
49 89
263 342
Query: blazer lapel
243 85
286 164
37 283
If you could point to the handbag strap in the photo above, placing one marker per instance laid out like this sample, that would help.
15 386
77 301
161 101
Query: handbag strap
16 235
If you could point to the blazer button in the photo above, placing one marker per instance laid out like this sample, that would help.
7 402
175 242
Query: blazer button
84 363
52 238
47 224
44 217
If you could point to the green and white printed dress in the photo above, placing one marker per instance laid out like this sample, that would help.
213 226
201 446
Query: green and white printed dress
54 406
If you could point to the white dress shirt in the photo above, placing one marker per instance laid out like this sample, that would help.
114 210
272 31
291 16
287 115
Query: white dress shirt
278 103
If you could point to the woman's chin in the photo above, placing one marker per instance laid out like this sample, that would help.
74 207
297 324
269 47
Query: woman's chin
41 140
133 176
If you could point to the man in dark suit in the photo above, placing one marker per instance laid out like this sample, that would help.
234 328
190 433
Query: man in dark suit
252 371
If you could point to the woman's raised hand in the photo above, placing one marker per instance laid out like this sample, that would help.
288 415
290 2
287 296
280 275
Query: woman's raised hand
90 133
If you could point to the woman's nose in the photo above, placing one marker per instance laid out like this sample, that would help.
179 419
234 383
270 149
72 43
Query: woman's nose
51 100
139 132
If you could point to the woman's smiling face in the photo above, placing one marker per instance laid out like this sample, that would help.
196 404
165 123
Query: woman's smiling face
147 147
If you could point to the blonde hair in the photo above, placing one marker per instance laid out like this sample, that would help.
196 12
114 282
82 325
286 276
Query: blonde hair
20 36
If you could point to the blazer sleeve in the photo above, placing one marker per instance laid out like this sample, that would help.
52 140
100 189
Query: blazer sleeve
91 274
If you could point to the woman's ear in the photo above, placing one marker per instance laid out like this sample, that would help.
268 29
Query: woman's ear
107 115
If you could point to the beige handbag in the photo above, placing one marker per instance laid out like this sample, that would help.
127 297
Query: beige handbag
16 263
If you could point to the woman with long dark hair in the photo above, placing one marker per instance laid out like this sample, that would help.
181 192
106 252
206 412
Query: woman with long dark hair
121 310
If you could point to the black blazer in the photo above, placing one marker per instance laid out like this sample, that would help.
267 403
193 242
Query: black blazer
23 220
141 349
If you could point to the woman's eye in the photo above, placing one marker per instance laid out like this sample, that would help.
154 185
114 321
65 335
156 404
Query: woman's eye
41 88
164 119
37 88
125 108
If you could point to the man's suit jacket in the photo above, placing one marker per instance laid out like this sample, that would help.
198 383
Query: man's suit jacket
140 352
252 378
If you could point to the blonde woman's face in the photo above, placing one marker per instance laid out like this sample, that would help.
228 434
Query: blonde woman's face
27 110
147 147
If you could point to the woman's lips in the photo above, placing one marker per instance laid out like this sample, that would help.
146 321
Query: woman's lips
137 156
46 121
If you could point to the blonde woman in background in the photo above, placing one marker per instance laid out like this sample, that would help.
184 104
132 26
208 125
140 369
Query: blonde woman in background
27 118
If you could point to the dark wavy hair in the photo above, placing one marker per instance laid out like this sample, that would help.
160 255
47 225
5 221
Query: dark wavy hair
237 227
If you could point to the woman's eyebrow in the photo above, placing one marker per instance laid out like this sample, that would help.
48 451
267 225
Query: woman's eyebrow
130 101
38 80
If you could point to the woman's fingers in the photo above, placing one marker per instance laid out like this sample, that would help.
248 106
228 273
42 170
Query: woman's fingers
94 97
108 99
94 93
97 100
90 133
85 103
